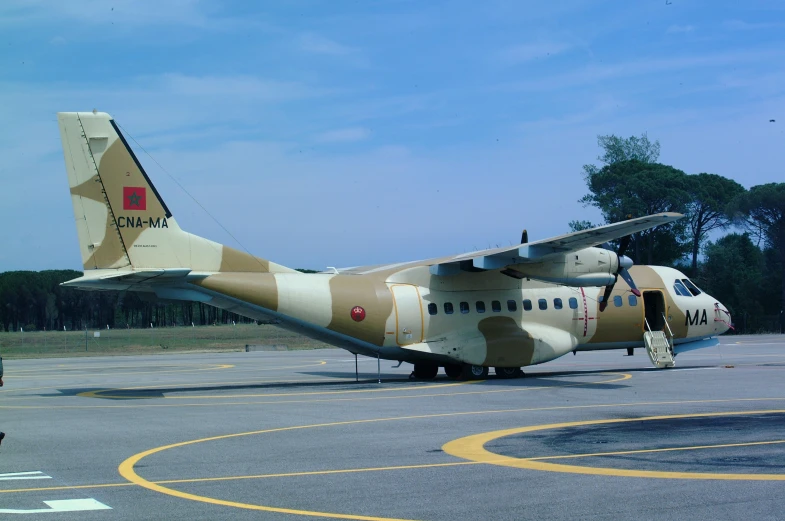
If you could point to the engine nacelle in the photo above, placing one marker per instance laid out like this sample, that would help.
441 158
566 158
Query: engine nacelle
588 267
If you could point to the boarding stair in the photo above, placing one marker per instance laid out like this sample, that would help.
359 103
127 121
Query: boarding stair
659 346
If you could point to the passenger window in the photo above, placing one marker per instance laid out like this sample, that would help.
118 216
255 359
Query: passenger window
573 303
433 309
633 300
679 288
480 306
692 287
543 304
557 303
448 308
527 305
464 307
496 306
512 305
617 301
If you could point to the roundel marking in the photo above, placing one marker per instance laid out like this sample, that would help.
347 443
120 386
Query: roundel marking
358 314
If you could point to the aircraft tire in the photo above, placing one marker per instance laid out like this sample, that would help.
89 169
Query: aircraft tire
425 371
474 372
508 372
453 371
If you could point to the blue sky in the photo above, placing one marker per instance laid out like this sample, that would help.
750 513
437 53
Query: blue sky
346 133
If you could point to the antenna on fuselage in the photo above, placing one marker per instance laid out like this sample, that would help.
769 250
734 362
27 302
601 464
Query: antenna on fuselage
524 237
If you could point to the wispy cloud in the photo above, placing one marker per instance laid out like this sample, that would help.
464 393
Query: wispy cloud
740 25
246 87
317 44
641 67
180 12
680 29
344 135
531 51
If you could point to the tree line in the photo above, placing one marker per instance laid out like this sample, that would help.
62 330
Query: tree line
731 242
35 301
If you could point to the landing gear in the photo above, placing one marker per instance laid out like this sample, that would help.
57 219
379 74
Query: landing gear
474 372
454 371
508 372
425 371
630 351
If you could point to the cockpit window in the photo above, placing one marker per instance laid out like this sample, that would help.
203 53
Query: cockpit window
692 287
681 289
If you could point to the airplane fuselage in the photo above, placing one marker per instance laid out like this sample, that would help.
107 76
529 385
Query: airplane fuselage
479 318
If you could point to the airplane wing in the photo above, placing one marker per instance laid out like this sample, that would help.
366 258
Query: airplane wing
538 251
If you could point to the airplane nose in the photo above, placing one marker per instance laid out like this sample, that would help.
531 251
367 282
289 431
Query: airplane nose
722 318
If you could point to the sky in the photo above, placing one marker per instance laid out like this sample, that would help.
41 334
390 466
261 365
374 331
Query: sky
340 133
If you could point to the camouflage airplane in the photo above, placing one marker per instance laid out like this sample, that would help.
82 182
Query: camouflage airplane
504 308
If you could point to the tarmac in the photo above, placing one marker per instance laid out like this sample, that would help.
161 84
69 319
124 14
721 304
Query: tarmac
291 435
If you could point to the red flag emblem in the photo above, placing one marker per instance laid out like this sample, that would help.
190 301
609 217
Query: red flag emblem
358 314
134 198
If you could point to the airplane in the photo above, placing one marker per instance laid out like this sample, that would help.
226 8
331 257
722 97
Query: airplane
503 308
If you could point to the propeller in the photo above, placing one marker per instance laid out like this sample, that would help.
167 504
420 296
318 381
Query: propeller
625 263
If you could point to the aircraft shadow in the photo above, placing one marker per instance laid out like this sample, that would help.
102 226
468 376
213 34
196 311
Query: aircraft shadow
345 380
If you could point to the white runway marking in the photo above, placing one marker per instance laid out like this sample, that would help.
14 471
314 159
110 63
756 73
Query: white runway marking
37 474
62 505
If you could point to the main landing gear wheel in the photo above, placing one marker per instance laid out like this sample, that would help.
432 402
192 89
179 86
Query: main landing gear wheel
508 372
454 371
474 372
425 371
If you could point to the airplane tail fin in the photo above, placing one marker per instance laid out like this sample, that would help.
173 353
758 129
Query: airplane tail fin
121 219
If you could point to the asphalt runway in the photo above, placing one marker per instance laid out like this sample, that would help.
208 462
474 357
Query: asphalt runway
291 435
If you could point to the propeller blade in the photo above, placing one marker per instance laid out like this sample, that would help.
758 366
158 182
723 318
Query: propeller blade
623 245
524 237
631 283
606 296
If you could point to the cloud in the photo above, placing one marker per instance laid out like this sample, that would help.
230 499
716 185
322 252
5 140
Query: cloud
531 51
316 44
598 73
344 135
680 29
246 87
180 12
740 25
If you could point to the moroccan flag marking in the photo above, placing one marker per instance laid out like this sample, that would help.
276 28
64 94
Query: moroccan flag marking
134 198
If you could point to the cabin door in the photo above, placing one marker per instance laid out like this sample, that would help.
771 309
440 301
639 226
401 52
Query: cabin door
408 314
654 307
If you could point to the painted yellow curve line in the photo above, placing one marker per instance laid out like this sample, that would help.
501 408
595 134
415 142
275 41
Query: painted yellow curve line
126 468
472 448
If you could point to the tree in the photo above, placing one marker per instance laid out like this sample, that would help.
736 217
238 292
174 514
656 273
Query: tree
763 208
617 149
578 226
636 188
732 272
710 196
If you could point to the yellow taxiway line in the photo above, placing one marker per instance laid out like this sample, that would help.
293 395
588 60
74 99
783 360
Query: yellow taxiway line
472 448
